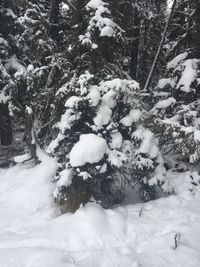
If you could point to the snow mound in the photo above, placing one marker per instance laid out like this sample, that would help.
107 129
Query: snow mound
163 233
30 189
90 149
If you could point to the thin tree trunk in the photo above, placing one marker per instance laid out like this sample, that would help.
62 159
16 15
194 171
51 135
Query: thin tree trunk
135 46
54 11
54 18
151 73
30 137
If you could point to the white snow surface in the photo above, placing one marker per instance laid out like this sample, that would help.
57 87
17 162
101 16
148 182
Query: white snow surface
89 149
33 234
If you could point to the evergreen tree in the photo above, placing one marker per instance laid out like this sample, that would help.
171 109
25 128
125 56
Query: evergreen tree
104 109
178 110
184 30
11 70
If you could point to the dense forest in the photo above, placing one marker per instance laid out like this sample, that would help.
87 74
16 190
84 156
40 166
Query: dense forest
108 88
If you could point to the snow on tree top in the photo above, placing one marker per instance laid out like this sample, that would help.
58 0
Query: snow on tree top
106 27
89 149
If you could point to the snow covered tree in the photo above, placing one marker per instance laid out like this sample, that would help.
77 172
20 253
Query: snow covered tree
6 88
177 122
178 109
185 28
100 142
45 60
11 70
101 145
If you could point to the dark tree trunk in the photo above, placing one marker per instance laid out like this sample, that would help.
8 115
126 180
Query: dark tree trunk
54 11
135 45
54 18
143 65
5 126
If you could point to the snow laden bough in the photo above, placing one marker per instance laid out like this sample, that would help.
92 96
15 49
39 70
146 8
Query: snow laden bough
101 144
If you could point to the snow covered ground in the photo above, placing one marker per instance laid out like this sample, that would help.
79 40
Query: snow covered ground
161 233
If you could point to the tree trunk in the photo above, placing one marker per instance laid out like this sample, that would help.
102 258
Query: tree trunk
30 137
149 79
135 45
54 18
5 126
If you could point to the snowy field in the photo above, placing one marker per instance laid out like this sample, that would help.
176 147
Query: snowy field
162 233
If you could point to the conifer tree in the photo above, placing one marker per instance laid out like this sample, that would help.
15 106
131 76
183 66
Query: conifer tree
177 111
102 110
11 70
